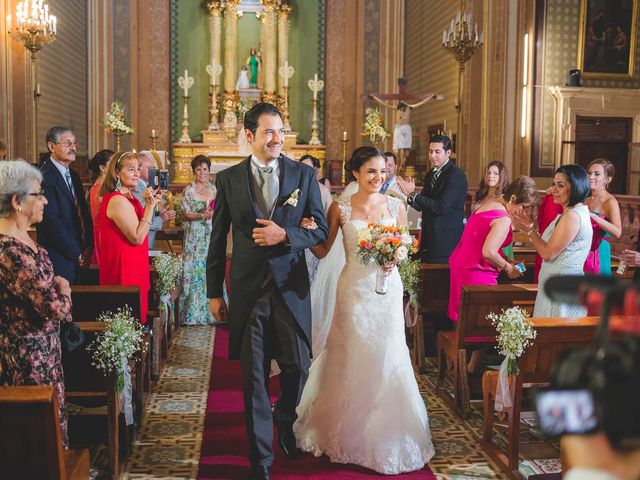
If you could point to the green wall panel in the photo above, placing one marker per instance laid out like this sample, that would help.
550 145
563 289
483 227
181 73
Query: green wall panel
190 50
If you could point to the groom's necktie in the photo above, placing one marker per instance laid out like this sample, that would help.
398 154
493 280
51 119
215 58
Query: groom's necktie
434 179
268 184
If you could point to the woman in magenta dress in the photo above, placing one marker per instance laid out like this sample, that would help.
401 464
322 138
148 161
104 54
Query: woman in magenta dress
124 225
478 258
605 217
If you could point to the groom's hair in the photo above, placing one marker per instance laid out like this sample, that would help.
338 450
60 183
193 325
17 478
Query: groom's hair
260 108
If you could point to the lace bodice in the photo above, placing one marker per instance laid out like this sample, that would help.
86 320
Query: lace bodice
572 258
350 227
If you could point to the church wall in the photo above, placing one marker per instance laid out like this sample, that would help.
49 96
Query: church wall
429 68
561 30
190 50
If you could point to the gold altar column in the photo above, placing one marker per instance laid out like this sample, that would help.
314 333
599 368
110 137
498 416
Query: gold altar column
283 39
231 98
269 51
215 8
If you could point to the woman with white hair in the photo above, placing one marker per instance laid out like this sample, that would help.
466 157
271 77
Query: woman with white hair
33 301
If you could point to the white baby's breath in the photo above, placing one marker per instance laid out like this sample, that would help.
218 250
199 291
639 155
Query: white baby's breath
119 342
169 267
515 332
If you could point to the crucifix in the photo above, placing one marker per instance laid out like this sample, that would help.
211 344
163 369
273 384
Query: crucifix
403 102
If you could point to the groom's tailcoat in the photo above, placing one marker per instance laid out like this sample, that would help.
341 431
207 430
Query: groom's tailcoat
251 263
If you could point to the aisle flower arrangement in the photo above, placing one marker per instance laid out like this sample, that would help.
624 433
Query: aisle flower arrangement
115 120
169 267
374 127
515 334
113 348
410 276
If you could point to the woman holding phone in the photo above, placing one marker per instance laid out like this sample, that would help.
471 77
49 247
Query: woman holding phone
197 204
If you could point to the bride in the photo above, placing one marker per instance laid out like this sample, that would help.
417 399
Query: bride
361 403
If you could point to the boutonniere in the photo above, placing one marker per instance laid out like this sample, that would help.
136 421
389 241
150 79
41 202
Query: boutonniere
293 198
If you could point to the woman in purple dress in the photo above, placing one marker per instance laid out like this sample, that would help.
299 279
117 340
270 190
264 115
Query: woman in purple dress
478 258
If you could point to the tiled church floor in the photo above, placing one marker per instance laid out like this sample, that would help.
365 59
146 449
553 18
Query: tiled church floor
168 445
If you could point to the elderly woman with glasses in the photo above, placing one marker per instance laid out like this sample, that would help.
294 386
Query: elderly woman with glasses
33 302
123 227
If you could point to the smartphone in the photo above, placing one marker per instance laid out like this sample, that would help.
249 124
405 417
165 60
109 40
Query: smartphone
563 412
164 180
153 177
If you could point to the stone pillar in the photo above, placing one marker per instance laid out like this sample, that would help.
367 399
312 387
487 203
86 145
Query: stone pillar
230 99
283 40
215 8
269 52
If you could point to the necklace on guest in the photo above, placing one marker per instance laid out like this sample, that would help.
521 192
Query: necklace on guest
203 190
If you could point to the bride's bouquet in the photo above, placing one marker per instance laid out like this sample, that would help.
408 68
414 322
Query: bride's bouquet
382 245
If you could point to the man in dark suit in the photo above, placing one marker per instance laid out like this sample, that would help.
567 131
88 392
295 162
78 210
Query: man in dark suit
66 231
441 202
264 199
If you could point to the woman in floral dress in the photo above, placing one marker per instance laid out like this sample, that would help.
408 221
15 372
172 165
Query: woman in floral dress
33 301
197 205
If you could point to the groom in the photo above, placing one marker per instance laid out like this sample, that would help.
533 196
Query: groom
264 198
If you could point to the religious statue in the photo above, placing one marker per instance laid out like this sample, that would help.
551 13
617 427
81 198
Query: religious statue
243 79
402 134
253 63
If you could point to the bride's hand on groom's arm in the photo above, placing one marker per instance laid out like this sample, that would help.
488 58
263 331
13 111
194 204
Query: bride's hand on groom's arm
308 223
218 308
269 235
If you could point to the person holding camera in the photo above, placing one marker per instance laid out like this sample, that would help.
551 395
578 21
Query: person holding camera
124 226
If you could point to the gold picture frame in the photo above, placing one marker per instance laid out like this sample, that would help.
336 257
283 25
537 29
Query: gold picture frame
607 41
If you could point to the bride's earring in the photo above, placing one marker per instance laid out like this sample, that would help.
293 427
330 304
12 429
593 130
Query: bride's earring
118 184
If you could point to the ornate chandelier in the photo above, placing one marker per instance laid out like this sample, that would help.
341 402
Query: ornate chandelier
34 27
462 39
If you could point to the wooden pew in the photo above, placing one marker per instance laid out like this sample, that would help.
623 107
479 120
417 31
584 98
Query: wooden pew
31 439
553 336
434 300
474 330
83 383
89 301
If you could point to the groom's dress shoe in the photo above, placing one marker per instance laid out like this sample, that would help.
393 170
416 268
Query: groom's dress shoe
287 442
259 473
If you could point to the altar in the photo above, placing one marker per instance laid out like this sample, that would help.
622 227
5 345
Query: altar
235 84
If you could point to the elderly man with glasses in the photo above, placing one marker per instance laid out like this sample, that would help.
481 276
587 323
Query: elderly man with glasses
66 231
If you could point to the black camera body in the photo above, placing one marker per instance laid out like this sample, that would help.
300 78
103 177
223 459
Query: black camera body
611 374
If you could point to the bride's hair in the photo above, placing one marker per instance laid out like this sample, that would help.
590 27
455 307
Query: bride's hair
359 157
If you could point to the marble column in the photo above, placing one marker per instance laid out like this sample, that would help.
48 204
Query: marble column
283 40
269 52
230 98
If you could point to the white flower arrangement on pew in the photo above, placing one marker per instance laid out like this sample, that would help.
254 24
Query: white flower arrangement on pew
115 120
169 267
410 276
113 348
515 333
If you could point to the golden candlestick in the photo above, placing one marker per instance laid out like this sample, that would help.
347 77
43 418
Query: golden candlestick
345 143
185 138
213 109
283 104
154 139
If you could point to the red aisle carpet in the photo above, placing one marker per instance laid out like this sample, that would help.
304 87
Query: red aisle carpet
224 442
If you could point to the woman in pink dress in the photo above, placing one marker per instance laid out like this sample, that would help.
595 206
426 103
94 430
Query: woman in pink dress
478 258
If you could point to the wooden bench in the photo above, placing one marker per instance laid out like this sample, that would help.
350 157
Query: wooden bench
553 336
434 300
31 439
474 330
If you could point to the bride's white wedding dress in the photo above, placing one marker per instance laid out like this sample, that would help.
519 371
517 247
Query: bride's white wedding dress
361 403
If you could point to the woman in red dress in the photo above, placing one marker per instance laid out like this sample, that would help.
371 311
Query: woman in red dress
123 227
98 167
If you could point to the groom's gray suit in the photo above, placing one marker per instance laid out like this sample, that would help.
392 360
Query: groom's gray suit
269 310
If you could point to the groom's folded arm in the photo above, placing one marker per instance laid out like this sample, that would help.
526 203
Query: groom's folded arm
300 238
216 257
